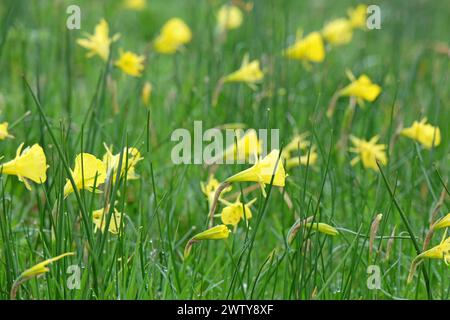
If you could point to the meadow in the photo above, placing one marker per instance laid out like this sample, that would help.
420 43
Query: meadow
353 203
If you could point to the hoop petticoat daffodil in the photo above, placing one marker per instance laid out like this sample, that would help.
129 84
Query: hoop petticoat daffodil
209 189
358 16
338 32
244 148
249 72
369 152
309 49
234 212
309 225
99 42
424 133
130 63
361 89
229 17
215 233
130 158
4 131
443 223
99 217
174 34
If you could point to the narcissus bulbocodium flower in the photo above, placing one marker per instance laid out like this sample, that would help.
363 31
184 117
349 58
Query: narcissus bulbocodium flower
249 72
146 95
137 5
89 172
209 189
368 152
308 159
130 63
358 16
99 42
309 49
322 228
443 223
244 148
174 34
361 88
298 142
29 164
4 131
424 133
263 171
99 217
130 158
338 32
215 233
229 17
234 212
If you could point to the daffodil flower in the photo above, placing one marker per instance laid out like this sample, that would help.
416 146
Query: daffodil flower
137 5
308 159
4 131
443 223
309 49
29 164
358 16
249 72
338 32
215 233
130 63
209 189
130 158
234 212
424 133
99 217
244 148
146 94
89 172
314 226
298 142
361 88
99 42
229 17
369 152
174 34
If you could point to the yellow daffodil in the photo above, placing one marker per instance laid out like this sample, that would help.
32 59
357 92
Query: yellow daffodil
4 131
298 142
262 172
234 212
137 5
368 152
209 189
130 158
29 164
229 17
323 228
304 160
215 233
443 223
310 48
146 95
244 148
41 267
99 42
99 217
174 34
358 16
130 63
89 172
338 32
249 72
423 132
361 88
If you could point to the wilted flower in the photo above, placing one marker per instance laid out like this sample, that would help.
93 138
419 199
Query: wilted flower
214 233
234 212
249 72
99 42
99 217
229 17
358 16
338 32
4 131
29 164
423 132
130 63
368 152
310 48
174 34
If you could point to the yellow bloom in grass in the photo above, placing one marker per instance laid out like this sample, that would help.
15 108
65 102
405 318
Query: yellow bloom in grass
263 171
130 63
423 132
310 48
130 158
215 233
304 160
29 164
209 189
338 32
4 131
443 223
361 88
229 17
88 172
99 42
244 148
137 5
99 217
174 34
147 90
41 267
358 16
249 72
323 228
234 212
368 152
298 142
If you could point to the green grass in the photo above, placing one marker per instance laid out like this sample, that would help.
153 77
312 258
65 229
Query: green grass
55 96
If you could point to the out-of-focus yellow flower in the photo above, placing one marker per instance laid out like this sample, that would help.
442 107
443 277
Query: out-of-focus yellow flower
130 63
29 164
423 132
244 148
99 42
249 72
214 233
262 172
130 158
147 90
304 160
443 223
338 32
229 17
298 142
87 173
209 189
174 34
310 48
361 88
234 212
41 267
99 217
323 228
358 16
137 5
368 152
4 131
